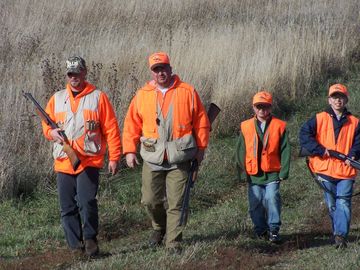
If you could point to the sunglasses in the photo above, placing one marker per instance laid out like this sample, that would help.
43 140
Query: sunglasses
262 106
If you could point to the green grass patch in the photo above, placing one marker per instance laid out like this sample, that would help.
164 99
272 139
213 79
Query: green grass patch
219 230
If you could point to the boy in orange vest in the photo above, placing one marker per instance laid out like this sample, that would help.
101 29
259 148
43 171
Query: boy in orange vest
263 156
334 129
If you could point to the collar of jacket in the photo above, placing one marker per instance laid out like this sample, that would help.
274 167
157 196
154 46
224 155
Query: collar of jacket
151 85
330 111
88 89
344 115
267 120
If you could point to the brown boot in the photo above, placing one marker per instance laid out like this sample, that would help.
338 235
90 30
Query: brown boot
340 242
91 247
156 238
174 248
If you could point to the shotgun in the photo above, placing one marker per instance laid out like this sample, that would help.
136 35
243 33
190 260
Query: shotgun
70 152
335 154
212 114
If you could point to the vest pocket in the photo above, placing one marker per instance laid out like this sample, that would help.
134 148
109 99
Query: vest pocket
148 144
151 150
92 142
250 166
320 164
182 149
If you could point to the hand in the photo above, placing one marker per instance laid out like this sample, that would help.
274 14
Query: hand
326 154
195 174
113 167
347 162
200 156
131 160
54 133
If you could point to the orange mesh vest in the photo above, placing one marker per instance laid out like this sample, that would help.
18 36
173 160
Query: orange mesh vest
326 137
183 102
270 155
86 142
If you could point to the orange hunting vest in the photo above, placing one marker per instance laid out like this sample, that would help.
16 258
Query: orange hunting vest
176 140
183 102
88 142
270 155
326 137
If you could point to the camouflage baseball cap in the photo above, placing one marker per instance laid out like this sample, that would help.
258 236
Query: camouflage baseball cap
75 64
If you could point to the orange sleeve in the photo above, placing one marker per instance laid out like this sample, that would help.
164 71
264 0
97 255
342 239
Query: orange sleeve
132 128
201 124
50 111
110 127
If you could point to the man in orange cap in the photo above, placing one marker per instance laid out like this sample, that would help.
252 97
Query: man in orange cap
263 157
334 129
169 121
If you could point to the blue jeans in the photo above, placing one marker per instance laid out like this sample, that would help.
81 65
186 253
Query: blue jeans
339 206
78 205
265 207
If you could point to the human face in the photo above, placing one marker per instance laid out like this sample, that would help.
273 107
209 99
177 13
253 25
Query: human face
337 101
77 80
162 75
262 111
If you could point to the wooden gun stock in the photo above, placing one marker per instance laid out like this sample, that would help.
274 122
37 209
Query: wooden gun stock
212 113
70 152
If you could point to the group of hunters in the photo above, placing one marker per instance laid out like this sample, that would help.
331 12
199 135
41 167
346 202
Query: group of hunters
168 122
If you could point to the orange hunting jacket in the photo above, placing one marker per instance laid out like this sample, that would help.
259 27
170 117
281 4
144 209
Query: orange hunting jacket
325 136
270 155
72 115
189 115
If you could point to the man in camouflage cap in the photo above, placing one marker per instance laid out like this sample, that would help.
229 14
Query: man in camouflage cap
86 116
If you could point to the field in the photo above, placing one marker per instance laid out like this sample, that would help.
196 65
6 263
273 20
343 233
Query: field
228 50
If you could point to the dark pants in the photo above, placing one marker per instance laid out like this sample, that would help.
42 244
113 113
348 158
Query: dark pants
78 205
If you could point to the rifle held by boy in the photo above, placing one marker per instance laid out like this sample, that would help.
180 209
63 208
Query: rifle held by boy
70 152
335 154
212 114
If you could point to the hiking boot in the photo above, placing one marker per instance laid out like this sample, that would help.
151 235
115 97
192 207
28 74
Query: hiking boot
340 242
91 247
274 237
174 250
156 238
261 236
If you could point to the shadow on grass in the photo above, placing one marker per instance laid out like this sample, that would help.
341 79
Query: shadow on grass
121 227
289 242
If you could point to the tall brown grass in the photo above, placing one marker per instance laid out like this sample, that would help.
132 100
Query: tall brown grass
227 49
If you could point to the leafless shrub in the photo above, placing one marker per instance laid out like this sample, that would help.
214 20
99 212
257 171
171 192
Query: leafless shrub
227 49
52 75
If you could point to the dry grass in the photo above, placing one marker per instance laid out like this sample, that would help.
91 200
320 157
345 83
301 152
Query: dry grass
227 49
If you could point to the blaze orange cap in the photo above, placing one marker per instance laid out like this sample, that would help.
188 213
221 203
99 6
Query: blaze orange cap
338 88
159 58
262 97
